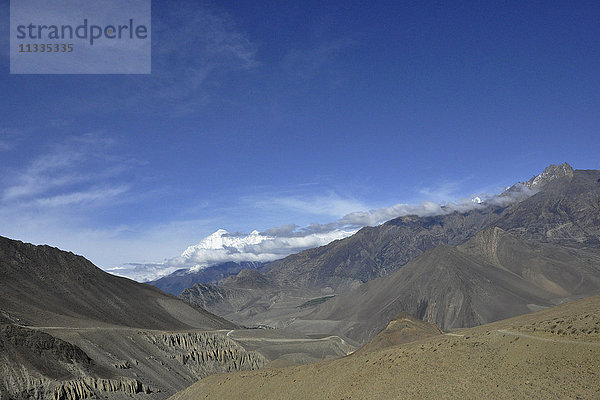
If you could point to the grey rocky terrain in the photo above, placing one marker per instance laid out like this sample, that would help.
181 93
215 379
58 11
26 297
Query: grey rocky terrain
70 331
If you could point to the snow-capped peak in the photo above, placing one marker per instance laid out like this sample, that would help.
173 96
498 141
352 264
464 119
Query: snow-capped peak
221 239
476 200
222 246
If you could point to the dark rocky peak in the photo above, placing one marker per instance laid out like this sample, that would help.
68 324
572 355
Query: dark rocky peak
522 190
551 173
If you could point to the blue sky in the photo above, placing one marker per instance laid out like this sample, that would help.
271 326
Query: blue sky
263 114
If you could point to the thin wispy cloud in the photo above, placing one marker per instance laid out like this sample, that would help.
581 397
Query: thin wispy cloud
10 138
45 173
89 197
56 177
331 204
63 187
194 47
305 64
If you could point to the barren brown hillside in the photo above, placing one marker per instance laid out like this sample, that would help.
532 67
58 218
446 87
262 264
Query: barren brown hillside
551 354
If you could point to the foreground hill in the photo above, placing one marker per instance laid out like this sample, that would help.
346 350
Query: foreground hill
43 286
493 276
550 354
405 328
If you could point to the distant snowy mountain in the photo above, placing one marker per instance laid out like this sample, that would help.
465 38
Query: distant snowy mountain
220 245
223 247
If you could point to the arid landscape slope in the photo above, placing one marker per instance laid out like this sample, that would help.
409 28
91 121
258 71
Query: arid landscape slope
69 331
492 276
43 286
553 353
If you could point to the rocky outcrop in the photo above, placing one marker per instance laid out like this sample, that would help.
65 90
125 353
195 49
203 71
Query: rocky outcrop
76 389
37 365
549 174
90 387
205 353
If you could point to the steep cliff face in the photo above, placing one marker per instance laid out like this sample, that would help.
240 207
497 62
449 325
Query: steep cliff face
36 365
205 353
113 363
93 387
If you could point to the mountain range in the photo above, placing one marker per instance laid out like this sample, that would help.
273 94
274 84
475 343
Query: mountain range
420 292
492 276
554 213
177 281
563 210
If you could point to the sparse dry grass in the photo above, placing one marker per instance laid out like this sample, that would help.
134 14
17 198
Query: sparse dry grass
513 359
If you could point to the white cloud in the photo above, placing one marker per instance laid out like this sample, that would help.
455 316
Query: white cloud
378 216
79 169
429 208
44 173
85 197
223 246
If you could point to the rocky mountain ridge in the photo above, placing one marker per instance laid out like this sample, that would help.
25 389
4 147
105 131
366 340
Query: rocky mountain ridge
562 215
178 281
492 276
